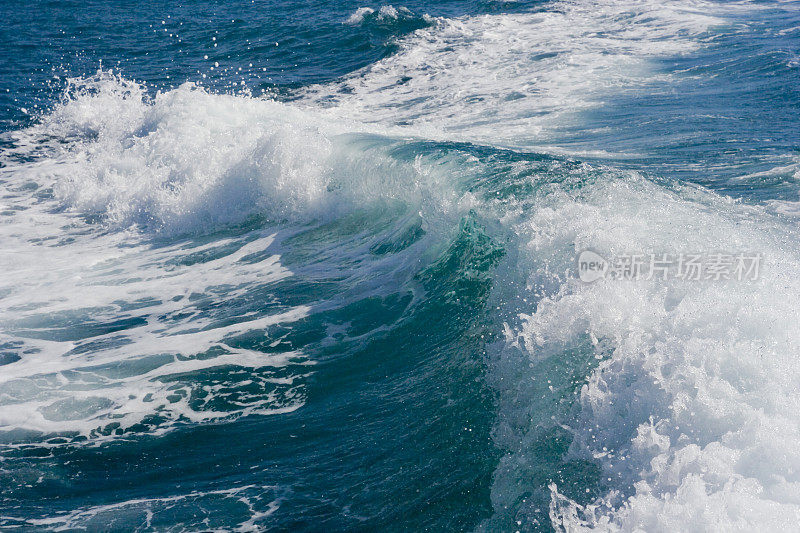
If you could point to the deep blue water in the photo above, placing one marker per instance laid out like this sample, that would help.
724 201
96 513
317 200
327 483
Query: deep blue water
311 266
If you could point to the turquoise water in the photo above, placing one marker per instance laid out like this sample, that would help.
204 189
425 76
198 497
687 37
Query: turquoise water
312 266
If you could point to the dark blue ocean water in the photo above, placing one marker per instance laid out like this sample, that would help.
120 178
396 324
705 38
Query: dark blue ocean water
311 266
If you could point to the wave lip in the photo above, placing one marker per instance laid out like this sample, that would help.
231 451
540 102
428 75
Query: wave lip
188 161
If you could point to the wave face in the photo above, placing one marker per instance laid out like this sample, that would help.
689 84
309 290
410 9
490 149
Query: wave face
316 268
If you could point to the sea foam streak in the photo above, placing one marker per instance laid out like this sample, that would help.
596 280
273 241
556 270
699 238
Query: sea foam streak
110 352
204 507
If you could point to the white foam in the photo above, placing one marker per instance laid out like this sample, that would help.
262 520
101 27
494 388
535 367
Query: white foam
386 13
519 79
187 160
358 15
692 413
123 378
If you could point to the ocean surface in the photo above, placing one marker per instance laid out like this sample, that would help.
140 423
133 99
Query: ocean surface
312 266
